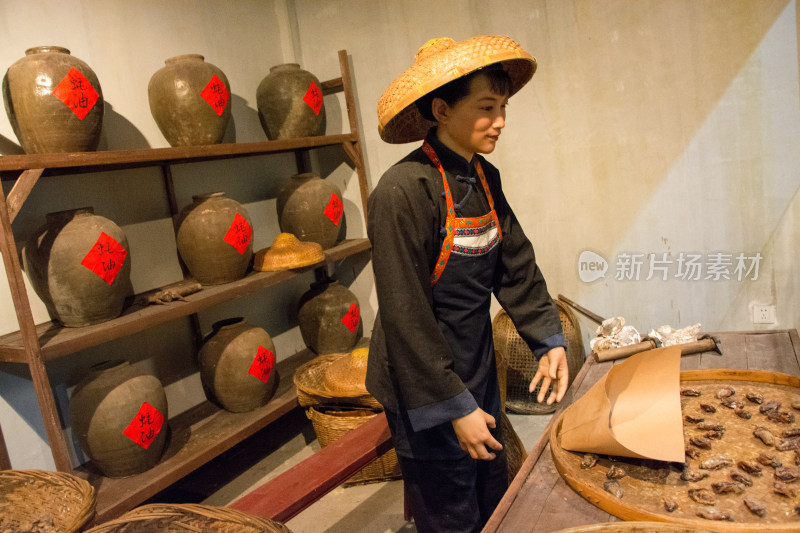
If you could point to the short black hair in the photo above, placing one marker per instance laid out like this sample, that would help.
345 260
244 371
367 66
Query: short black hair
451 93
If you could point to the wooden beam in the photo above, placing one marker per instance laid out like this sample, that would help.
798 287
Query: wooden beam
286 495
20 191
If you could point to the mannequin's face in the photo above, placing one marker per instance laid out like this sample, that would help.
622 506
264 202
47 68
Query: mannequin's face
473 124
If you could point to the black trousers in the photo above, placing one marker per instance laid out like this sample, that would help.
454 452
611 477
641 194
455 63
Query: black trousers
449 496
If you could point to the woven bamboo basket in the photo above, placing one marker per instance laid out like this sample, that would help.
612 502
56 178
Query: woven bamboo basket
332 423
522 365
52 501
309 380
158 518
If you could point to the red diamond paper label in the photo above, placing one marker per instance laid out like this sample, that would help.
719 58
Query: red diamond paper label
105 258
263 363
313 98
352 318
239 234
76 91
216 94
145 426
334 209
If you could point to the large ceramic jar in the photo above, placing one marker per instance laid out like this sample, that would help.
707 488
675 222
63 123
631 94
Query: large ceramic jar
119 416
329 317
290 103
54 102
78 264
237 362
214 238
190 101
311 209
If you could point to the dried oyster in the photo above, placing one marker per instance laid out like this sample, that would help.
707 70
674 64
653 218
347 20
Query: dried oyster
700 442
612 487
708 408
741 412
726 487
754 397
703 496
713 514
693 419
764 435
749 467
693 475
714 435
744 479
791 432
715 463
589 460
787 474
690 392
711 426
788 445
691 453
769 460
616 472
796 404
670 505
781 417
725 392
730 403
772 405
783 489
758 509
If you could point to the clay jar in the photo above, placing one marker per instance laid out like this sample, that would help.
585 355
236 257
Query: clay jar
190 101
290 103
119 416
214 238
311 209
78 264
54 102
237 362
329 317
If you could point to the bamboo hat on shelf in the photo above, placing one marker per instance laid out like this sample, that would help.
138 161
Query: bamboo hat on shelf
288 252
438 62
346 376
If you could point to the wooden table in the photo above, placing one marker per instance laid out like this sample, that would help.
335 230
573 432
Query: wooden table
539 500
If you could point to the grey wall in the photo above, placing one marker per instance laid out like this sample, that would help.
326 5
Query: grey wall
651 127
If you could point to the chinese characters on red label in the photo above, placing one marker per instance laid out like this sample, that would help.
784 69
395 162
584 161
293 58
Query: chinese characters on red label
262 365
76 91
216 94
313 98
334 209
239 233
105 258
352 318
145 426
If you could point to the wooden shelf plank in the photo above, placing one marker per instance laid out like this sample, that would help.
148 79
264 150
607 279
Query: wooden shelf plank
196 436
77 162
57 341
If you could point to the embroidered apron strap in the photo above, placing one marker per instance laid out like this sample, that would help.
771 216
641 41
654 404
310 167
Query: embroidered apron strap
482 176
450 221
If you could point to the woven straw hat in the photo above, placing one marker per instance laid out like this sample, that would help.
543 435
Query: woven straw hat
287 252
346 376
438 62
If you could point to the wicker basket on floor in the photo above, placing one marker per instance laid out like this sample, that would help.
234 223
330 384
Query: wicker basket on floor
30 498
158 518
522 365
309 380
332 423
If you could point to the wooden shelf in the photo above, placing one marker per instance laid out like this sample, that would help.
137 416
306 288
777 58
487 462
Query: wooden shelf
79 162
196 437
57 341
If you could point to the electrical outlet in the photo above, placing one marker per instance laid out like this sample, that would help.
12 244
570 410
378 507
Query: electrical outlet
764 314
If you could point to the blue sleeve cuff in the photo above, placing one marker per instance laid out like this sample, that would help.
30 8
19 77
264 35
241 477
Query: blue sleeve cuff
437 413
553 341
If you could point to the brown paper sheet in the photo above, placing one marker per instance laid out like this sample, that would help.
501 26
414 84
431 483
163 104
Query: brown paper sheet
632 411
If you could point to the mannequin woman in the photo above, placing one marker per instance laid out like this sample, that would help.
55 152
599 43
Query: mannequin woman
444 240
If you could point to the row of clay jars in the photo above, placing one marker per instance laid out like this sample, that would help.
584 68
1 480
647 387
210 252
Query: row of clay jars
55 103
120 414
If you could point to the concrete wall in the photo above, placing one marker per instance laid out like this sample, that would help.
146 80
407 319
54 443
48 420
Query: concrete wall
653 128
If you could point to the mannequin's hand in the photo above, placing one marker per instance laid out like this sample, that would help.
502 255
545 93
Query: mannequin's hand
474 436
553 370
